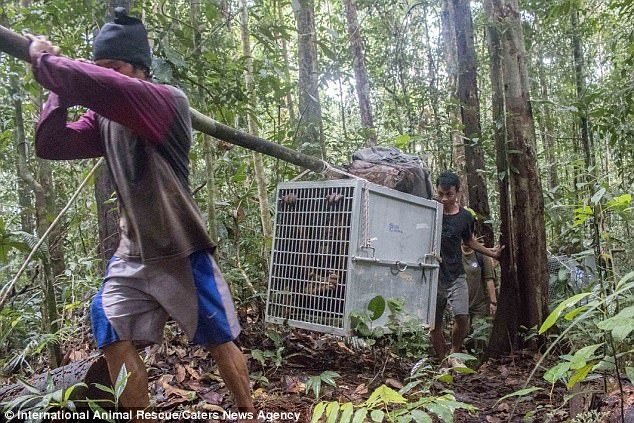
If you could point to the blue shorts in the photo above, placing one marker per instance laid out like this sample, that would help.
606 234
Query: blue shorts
137 299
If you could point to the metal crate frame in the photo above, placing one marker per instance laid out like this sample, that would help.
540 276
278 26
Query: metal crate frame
305 254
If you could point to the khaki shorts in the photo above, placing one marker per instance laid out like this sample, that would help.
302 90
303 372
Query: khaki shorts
455 293
137 299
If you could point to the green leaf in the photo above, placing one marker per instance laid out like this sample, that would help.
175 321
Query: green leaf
384 395
122 380
624 283
621 325
104 388
554 316
581 357
563 274
462 356
443 413
29 387
72 388
396 305
98 410
574 313
621 202
582 214
402 141
377 307
360 415
579 375
463 370
377 415
420 416
557 372
329 377
407 388
346 412
332 411
318 411
314 384
620 328
259 356
520 393
445 378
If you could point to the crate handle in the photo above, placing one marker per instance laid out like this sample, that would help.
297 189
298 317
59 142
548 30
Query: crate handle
399 264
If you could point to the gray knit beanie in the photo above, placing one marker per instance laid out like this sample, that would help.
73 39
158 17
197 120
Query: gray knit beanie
124 39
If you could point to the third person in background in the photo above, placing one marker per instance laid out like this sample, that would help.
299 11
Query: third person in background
480 273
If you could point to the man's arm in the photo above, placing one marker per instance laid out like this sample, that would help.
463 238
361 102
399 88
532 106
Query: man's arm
57 140
490 252
54 138
146 108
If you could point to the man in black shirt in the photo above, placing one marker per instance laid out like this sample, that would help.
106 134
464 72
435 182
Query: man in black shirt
457 227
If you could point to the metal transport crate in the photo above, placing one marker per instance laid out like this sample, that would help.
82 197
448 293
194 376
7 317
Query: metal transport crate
340 243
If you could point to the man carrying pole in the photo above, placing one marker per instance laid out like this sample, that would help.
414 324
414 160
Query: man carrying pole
163 266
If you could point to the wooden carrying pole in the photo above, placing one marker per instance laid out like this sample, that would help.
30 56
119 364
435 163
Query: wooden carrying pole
18 47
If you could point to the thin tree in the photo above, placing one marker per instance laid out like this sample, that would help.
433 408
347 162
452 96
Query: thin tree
362 83
586 140
258 162
448 33
52 259
209 143
309 137
469 102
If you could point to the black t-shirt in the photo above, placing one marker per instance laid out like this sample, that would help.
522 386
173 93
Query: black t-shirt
455 229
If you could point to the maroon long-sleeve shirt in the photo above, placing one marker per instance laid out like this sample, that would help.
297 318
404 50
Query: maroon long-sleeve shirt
144 132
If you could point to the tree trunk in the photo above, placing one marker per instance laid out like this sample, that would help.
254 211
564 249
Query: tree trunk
470 116
44 209
580 85
449 37
360 73
548 143
434 92
260 176
526 252
504 333
309 137
586 140
25 182
290 105
209 144
107 215
53 262
547 128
